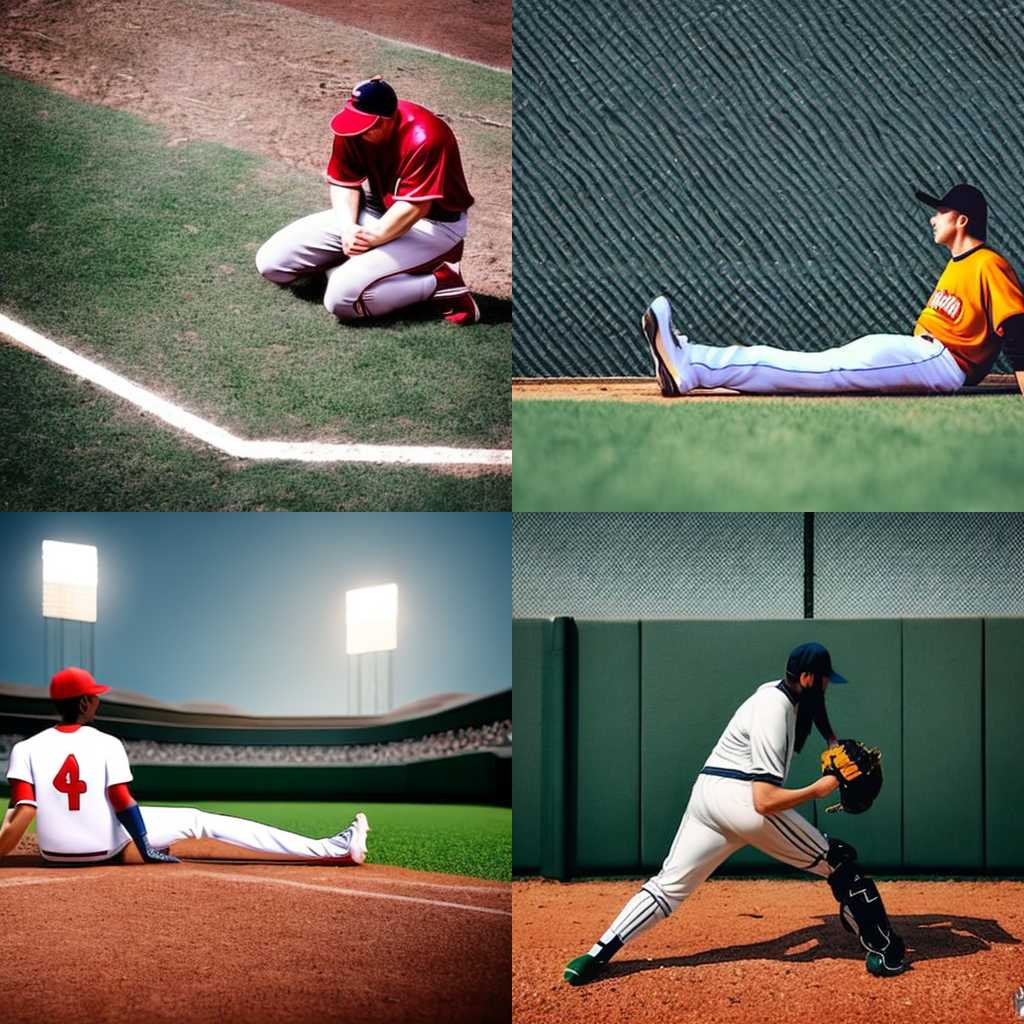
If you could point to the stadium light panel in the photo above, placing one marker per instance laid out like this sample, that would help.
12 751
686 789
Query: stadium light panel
69 581
371 619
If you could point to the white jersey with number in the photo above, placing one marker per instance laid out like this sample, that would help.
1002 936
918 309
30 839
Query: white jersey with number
757 744
70 772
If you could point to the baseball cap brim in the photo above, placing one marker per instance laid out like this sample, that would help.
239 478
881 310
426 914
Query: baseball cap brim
835 677
349 121
928 200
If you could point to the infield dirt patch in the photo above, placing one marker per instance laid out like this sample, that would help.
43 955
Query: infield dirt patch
770 950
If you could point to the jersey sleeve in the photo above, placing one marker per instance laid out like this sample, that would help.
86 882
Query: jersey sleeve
22 793
1004 293
423 172
769 735
345 166
118 769
20 767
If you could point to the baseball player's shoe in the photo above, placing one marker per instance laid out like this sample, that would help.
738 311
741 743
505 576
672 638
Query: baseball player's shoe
352 841
583 969
892 961
668 349
452 299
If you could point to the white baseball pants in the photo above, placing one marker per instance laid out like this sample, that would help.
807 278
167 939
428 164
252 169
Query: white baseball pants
876 362
719 819
166 825
389 277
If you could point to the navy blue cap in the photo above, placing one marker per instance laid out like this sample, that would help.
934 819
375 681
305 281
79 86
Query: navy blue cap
812 658
370 101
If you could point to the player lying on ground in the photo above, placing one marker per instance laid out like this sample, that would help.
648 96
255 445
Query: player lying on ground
739 800
976 308
77 778
402 242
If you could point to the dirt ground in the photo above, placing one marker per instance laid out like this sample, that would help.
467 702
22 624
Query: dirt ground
214 941
744 951
633 389
257 76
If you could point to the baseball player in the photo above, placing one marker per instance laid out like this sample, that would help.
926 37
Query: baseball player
398 242
976 308
76 778
739 800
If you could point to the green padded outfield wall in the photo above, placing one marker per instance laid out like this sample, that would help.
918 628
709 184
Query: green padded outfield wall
756 162
645 702
1004 702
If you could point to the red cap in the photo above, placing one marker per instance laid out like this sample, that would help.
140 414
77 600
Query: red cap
74 682
370 101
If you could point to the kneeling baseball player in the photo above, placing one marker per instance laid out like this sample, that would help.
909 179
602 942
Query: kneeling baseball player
76 778
975 310
401 241
739 800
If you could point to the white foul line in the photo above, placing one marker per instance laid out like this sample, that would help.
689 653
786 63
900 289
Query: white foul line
238 447
263 880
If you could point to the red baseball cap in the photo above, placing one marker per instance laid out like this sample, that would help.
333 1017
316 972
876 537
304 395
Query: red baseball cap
74 682
370 101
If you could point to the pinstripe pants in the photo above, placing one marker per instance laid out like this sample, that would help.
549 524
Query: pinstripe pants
719 819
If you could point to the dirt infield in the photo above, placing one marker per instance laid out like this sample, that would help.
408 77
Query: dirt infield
251 942
770 951
639 389
479 30
257 76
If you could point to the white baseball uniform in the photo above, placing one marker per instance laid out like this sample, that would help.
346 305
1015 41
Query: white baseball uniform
757 745
70 769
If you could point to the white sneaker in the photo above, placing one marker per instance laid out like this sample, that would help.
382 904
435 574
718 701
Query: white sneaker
669 349
352 842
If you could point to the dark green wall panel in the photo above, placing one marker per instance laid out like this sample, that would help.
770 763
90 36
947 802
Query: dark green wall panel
529 643
942 760
1004 712
607 741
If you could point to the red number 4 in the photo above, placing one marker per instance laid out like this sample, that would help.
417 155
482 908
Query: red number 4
67 781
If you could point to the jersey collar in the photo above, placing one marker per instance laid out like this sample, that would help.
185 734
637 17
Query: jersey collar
68 727
785 689
970 252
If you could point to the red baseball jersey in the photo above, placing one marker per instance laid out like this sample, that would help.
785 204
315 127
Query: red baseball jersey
419 163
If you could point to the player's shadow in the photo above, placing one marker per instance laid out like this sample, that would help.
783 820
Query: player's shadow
927 936
311 288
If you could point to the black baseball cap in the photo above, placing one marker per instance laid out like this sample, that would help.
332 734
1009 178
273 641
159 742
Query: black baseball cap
812 658
965 199
370 101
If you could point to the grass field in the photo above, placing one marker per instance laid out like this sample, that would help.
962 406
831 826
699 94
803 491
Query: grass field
784 454
139 254
454 839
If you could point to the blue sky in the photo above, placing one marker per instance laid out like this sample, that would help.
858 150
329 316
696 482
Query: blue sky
247 609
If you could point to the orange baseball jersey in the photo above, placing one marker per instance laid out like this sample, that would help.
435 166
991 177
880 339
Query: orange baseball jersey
975 295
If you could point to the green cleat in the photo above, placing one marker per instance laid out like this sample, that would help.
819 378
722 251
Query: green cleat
583 969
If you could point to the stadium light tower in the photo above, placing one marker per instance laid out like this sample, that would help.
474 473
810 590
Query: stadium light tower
371 636
70 575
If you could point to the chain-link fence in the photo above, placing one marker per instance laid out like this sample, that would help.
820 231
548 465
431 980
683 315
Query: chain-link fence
730 565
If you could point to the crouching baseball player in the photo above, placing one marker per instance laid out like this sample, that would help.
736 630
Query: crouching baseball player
739 800
76 778
400 242
975 309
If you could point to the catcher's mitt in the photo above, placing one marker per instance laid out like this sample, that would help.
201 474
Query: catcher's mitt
859 771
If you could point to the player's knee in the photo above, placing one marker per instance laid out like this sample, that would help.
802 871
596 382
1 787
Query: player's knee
344 298
270 268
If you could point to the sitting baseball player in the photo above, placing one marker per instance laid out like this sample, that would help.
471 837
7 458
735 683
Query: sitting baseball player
975 309
76 778
400 241
739 800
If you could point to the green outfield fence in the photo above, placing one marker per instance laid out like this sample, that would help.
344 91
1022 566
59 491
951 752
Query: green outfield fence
615 718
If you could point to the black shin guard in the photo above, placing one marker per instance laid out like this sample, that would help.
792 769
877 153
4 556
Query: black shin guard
859 898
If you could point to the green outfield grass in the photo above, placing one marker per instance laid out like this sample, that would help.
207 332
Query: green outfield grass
784 454
139 254
450 838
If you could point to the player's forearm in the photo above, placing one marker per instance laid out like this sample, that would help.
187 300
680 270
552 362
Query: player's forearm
770 799
16 820
396 221
345 203
1019 374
